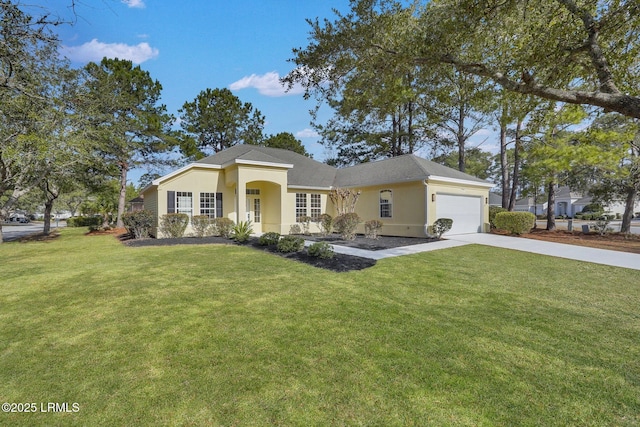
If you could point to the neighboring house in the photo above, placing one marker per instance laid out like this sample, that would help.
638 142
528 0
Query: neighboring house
495 199
136 204
567 203
528 204
273 187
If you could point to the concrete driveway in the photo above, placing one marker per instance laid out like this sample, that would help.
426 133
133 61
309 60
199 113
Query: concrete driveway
560 250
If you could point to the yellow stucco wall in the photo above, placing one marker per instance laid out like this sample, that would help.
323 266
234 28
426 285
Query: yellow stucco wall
407 216
413 206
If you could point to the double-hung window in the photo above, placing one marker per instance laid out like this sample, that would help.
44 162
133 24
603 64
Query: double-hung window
386 203
211 204
301 205
316 206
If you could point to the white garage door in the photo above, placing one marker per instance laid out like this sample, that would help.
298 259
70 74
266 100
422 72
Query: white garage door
465 211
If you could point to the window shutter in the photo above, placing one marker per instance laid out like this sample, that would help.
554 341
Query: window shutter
219 205
171 202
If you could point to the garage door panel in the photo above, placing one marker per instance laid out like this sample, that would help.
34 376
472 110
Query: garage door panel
465 211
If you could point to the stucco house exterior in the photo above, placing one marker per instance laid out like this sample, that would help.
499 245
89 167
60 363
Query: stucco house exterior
273 187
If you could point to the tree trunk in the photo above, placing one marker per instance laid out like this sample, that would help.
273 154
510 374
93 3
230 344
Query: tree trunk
48 208
461 139
551 206
123 194
504 167
516 167
632 194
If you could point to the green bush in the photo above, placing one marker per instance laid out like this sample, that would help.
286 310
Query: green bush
493 211
346 225
441 226
290 244
138 223
84 221
269 239
242 231
321 249
515 222
201 225
593 208
325 223
295 229
173 225
372 227
222 227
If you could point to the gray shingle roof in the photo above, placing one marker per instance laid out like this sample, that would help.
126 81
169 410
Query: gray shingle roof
406 168
307 172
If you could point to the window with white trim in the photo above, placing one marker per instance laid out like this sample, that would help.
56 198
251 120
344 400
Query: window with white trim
386 203
316 206
184 202
208 204
301 205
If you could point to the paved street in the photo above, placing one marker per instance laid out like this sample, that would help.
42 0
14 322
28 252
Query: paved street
13 231
561 224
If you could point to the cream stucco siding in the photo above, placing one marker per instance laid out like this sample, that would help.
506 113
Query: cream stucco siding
259 187
407 209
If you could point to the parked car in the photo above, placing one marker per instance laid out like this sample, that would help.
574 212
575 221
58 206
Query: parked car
18 218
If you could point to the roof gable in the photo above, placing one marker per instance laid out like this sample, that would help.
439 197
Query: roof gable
303 171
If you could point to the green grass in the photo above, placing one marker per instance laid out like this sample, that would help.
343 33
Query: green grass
226 335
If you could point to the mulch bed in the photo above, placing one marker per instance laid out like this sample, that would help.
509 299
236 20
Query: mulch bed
339 263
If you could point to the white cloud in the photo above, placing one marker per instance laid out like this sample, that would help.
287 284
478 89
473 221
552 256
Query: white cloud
95 51
267 84
307 133
139 4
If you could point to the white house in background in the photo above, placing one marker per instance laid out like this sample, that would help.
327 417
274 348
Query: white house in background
528 204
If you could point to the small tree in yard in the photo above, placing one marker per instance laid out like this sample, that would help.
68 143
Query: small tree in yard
344 199
174 224
441 226
201 225
138 223
372 227
325 223
346 225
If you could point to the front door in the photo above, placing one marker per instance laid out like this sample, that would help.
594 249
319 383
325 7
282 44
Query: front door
254 211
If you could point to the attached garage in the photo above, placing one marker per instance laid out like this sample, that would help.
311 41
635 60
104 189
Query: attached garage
465 211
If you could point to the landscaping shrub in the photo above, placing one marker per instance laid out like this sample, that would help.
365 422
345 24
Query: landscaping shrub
242 231
441 226
602 225
493 211
325 223
222 227
138 223
290 244
84 221
173 224
515 222
269 239
295 229
201 225
321 249
305 221
372 227
346 225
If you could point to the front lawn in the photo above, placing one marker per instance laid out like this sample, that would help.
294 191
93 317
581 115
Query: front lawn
228 335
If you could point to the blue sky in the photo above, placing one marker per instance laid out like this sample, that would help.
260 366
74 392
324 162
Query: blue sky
191 45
